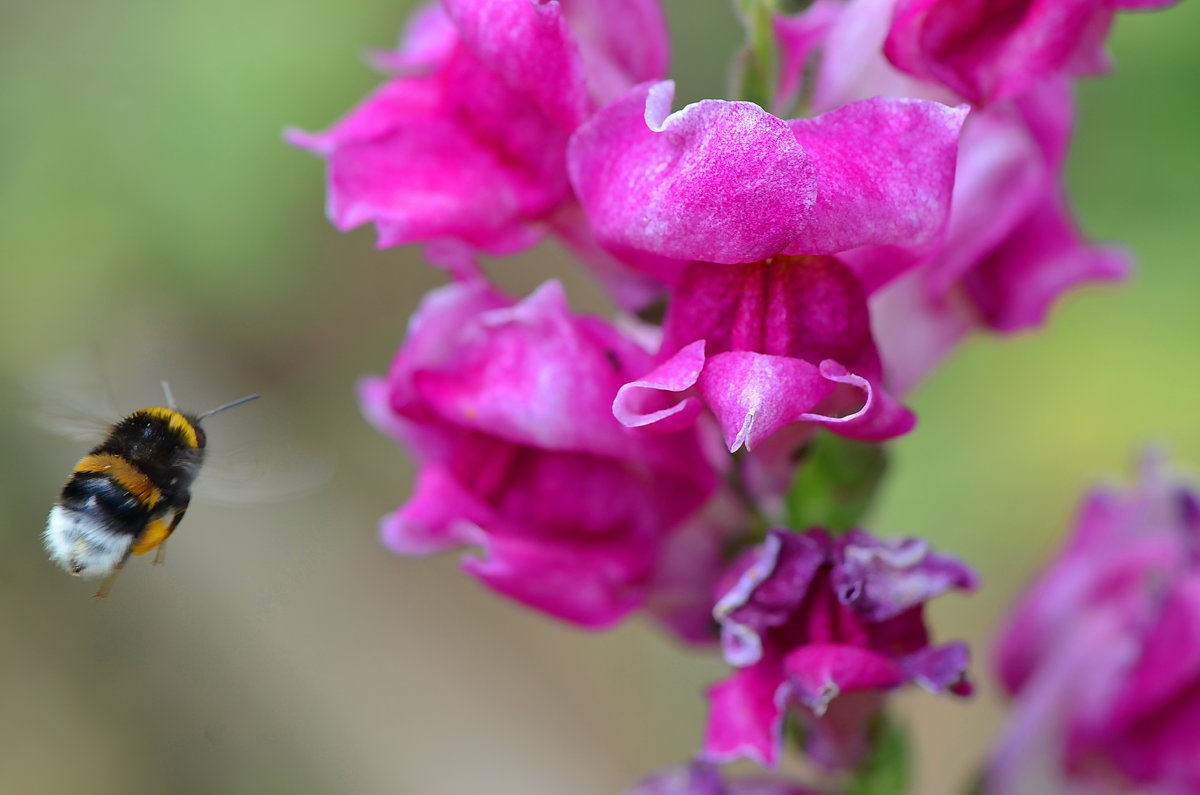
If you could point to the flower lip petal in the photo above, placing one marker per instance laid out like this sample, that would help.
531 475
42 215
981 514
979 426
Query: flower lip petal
820 672
677 374
879 417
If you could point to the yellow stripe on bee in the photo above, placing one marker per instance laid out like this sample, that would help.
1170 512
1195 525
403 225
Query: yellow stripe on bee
155 532
177 422
126 475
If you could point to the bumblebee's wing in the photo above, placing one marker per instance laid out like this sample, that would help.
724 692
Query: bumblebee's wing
258 464
66 397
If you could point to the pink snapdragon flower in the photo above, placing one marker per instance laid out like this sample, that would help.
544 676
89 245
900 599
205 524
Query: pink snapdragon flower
825 626
700 778
467 139
1102 653
1010 248
763 338
507 408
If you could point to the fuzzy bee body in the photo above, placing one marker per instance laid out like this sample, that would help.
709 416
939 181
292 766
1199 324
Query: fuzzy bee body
129 493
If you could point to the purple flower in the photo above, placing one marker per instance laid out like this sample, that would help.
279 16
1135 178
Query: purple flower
1102 653
989 50
1010 248
507 408
699 778
826 625
767 345
467 139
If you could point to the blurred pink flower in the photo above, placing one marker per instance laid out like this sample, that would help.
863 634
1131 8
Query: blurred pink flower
1010 248
467 140
1102 653
507 409
826 625
700 778
763 346
989 50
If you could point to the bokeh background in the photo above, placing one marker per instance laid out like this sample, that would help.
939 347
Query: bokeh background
153 226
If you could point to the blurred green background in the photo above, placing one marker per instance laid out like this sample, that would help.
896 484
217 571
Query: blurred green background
152 225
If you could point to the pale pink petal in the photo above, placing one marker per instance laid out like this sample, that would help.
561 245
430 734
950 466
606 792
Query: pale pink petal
880 579
799 37
622 42
647 400
753 395
1045 256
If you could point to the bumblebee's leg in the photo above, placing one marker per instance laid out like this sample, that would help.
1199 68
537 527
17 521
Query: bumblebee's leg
106 583
160 552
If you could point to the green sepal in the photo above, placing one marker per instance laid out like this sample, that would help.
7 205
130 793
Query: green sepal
886 768
754 66
835 483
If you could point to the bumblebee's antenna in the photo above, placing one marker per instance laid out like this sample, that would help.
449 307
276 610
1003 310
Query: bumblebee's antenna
170 398
237 402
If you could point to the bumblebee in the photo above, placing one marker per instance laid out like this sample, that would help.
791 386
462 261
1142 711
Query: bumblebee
129 493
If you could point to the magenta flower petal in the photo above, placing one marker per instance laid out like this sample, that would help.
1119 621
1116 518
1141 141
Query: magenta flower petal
531 373
716 181
646 401
507 407
407 161
878 417
820 672
588 585
546 65
440 515
885 170
746 715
